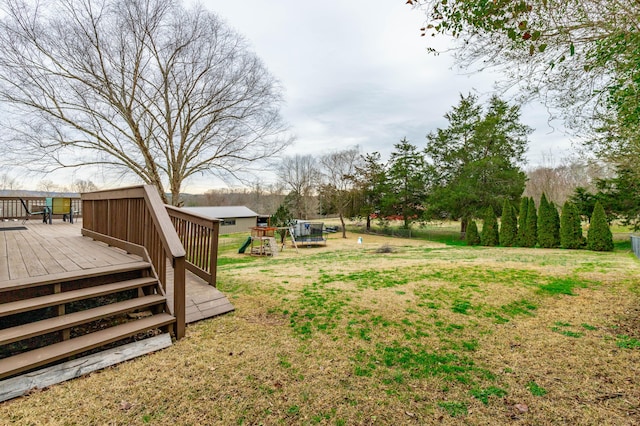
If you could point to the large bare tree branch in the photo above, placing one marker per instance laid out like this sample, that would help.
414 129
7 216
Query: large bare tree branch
145 86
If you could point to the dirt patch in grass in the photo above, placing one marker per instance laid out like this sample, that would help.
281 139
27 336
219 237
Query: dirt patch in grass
424 334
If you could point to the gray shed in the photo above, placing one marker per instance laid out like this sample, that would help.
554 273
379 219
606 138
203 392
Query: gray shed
232 218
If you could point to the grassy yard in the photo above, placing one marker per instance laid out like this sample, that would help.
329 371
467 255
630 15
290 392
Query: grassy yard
391 331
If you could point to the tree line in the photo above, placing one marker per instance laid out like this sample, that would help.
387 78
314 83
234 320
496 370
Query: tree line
543 227
474 163
471 167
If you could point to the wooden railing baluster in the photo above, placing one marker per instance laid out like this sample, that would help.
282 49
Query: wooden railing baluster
132 217
199 236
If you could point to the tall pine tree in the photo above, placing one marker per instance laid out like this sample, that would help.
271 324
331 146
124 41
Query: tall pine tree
545 224
530 238
406 183
472 237
599 237
570 227
522 220
476 159
489 236
556 224
508 225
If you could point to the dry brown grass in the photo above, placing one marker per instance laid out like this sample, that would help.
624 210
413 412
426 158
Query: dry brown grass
271 363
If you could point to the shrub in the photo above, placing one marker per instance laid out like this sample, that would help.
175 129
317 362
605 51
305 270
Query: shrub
522 219
508 226
599 237
556 224
472 237
489 236
530 234
570 227
546 224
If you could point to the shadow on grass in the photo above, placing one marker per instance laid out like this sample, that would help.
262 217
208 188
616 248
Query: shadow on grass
445 236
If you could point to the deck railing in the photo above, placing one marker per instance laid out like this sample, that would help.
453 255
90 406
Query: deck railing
11 207
199 237
130 218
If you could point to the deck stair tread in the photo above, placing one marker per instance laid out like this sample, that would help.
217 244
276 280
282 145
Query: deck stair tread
71 276
50 325
48 354
19 306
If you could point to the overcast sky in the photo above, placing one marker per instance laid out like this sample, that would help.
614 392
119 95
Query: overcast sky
357 73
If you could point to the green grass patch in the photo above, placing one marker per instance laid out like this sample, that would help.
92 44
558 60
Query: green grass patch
461 306
454 409
564 286
421 363
622 245
484 394
370 279
222 261
626 342
519 307
319 309
567 333
535 389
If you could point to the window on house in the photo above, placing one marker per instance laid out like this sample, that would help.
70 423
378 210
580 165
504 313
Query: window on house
228 222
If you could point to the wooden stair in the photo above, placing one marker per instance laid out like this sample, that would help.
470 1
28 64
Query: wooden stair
49 320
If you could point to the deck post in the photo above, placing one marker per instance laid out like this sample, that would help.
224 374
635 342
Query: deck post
179 296
213 254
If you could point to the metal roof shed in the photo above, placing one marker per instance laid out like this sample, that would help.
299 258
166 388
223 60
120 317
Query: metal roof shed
232 218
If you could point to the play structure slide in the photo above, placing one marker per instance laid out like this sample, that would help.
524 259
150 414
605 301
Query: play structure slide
245 245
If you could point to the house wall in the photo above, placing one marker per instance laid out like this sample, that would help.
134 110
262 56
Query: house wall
242 224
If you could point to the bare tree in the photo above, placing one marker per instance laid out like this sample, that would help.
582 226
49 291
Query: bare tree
558 180
300 175
146 87
339 169
82 185
8 182
48 186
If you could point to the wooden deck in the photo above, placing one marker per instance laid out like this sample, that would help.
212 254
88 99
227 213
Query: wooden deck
38 249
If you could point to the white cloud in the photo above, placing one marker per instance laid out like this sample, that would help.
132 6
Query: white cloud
358 72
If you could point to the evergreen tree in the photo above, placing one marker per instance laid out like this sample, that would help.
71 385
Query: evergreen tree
620 196
570 227
556 224
509 226
476 160
530 234
282 217
371 186
522 220
472 237
545 224
584 202
599 237
406 183
489 236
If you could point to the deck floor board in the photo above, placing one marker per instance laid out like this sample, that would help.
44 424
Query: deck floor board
4 268
43 249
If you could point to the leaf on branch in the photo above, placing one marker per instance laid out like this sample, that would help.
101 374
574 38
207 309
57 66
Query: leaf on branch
532 49
572 49
542 47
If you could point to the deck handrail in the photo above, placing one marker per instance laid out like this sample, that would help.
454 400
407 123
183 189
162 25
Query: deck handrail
12 208
199 237
137 216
